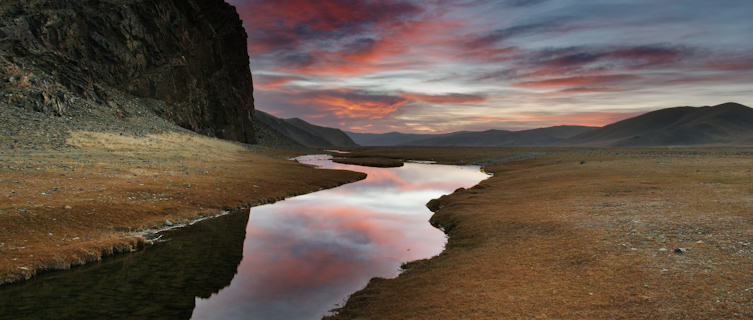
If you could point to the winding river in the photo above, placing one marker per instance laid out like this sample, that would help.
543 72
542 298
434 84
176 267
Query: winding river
294 259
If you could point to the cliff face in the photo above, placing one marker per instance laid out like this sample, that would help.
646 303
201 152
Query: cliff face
185 60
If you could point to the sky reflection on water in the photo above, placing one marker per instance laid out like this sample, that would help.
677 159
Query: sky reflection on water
305 255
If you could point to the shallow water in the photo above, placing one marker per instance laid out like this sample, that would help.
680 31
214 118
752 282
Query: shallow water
294 259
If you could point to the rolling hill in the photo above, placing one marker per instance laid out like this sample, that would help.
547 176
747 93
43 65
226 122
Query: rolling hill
502 138
305 133
266 136
387 139
724 124
488 138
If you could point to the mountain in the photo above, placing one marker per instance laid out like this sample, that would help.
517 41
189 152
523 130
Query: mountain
305 133
267 136
386 139
102 63
724 124
500 138
488 138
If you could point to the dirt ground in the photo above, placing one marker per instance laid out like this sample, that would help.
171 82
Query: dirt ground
66 208
581 233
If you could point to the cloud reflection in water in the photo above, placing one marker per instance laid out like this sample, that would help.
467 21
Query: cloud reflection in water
304 255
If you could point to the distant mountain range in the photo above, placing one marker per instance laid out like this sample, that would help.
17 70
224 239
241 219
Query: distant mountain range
724 124
387 139
302 132
488 138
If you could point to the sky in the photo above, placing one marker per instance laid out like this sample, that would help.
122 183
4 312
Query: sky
436 66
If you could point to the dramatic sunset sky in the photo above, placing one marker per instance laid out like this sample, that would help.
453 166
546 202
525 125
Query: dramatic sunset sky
440 66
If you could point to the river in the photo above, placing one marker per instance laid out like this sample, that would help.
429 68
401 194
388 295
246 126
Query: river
294 259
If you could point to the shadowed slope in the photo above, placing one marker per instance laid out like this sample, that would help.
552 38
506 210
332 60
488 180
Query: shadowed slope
268 136
728 123
387 139
305 133
500 138
488 138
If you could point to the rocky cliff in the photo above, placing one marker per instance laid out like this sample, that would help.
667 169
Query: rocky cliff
183 60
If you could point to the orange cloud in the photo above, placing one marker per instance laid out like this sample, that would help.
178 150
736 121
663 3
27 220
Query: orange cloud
270 82
344 103
453 98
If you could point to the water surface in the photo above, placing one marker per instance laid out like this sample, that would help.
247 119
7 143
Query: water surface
295 259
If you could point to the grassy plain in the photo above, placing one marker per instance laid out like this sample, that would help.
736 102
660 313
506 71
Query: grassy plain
66 208
581 234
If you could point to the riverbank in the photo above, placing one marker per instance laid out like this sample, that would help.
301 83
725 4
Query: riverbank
581 233
67 207
371 162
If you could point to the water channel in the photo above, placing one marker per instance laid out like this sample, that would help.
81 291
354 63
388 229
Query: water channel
294 259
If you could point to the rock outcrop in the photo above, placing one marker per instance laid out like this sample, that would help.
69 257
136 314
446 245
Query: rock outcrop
183 60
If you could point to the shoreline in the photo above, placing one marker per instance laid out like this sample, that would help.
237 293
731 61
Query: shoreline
573 234
434 205
146 233
142 239
66 209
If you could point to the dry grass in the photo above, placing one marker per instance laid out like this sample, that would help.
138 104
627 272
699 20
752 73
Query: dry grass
584 234
62 209
171 143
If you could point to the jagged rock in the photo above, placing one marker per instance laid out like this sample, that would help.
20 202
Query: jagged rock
186 60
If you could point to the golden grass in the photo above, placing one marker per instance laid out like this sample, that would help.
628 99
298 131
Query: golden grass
170 142
61 209
584 234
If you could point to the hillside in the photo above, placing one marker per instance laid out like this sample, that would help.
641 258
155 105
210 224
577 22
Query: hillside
386 139
501 138
488 138
724 124
305 133
266 136
122 66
